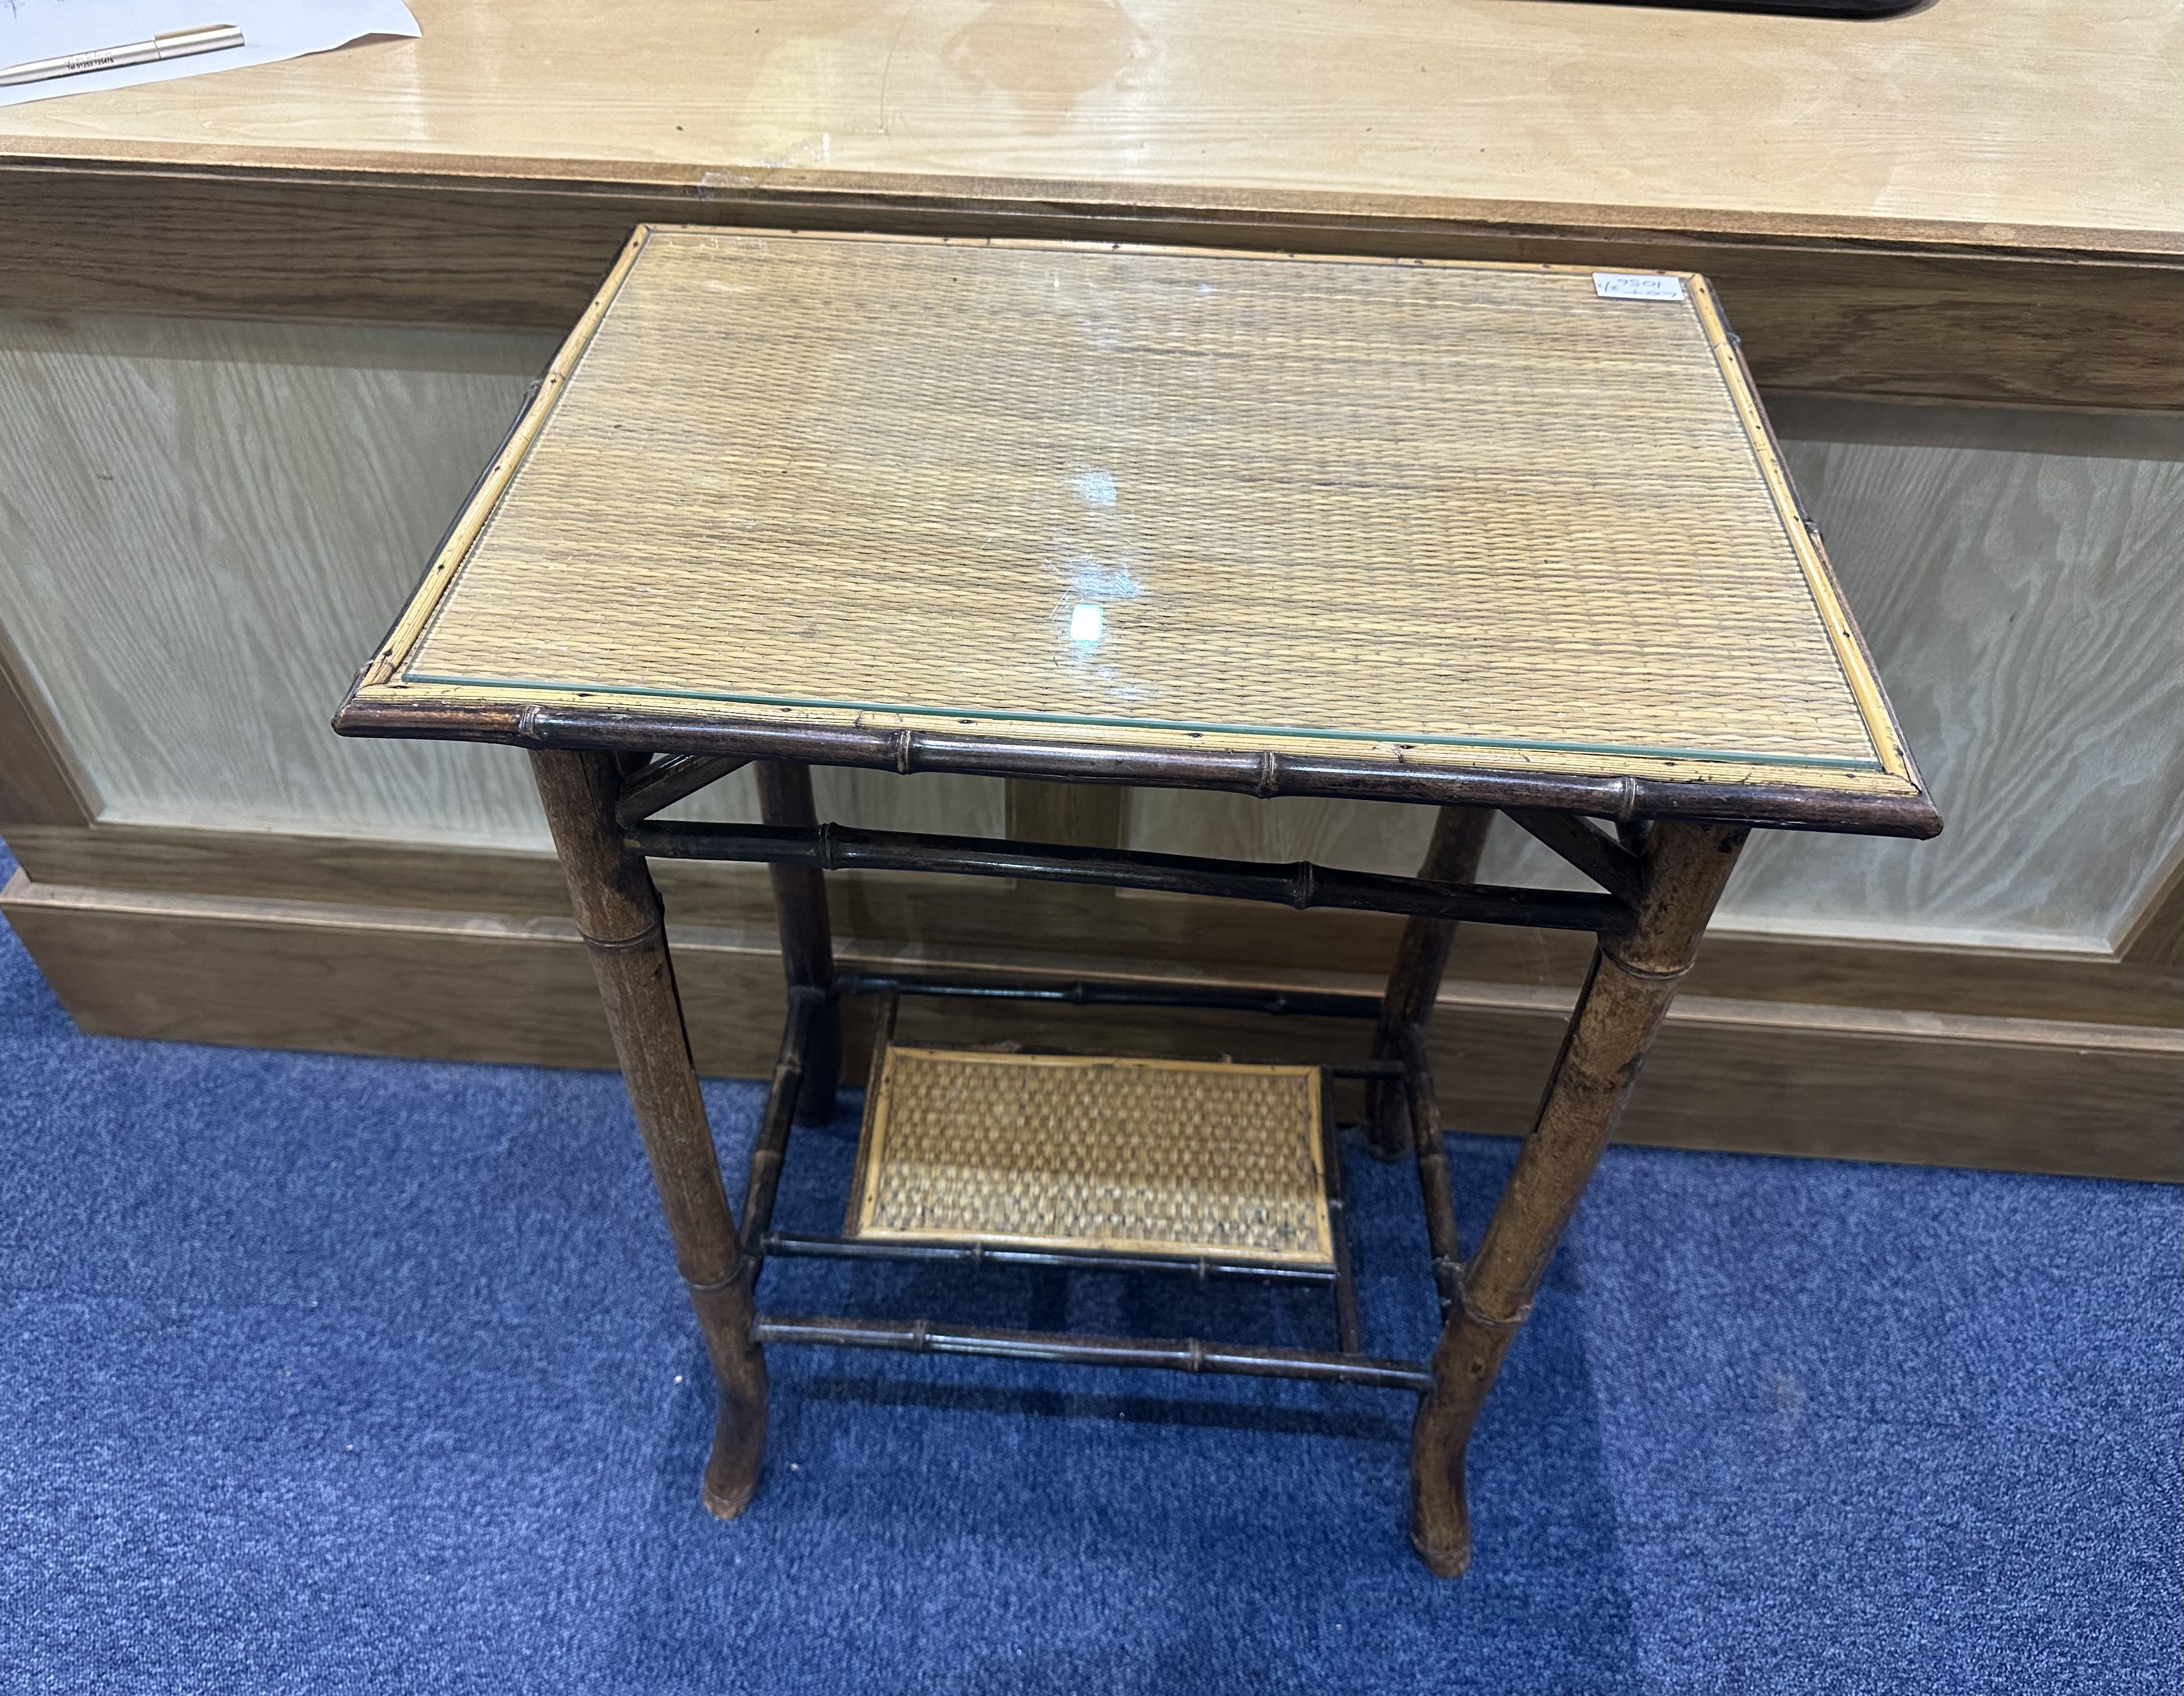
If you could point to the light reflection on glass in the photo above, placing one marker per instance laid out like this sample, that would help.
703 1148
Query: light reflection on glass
1097 488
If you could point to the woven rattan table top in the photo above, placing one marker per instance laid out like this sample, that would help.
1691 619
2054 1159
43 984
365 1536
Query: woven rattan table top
1429 517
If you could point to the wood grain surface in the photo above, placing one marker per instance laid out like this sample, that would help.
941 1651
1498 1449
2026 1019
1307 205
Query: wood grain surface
178 488
2083 1100
1778 1078
1927 118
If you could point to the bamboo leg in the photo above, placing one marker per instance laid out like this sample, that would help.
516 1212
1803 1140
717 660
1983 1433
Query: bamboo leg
619 913
1633 979
807 936
1459 838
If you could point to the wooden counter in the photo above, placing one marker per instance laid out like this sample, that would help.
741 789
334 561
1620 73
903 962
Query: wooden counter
259 329
1978 200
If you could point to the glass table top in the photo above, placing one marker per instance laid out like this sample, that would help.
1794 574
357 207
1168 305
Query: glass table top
1479 516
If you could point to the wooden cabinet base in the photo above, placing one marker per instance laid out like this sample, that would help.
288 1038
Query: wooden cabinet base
1758 1076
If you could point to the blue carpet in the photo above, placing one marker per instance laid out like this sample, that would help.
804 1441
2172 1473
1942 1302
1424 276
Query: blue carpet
327 1374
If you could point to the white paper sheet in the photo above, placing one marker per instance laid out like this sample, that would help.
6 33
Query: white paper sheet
271 29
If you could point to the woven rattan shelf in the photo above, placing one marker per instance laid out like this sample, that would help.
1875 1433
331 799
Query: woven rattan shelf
1119 1156
1503 540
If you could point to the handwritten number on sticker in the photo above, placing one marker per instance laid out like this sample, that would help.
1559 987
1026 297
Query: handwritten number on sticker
1617 285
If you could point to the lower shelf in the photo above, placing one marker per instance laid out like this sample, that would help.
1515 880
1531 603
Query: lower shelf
1088 1153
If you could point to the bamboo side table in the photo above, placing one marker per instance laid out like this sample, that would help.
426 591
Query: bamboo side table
1482 537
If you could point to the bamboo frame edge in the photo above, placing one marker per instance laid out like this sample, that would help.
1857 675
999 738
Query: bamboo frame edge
1781 808
1844 636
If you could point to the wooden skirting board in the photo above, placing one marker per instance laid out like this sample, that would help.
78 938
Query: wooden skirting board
1771 1076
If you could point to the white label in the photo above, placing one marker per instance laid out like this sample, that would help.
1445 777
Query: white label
1084 622
1622 285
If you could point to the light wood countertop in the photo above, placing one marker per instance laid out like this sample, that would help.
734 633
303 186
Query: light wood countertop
2024 114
